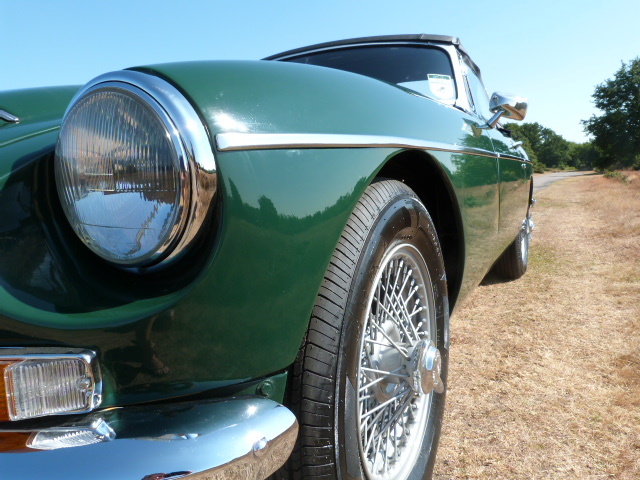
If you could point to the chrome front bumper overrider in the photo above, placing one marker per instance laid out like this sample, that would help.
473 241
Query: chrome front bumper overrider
246 438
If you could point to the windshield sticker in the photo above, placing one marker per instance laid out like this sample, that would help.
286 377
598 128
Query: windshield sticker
441 86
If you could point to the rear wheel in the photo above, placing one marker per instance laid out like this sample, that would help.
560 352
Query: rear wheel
513 263
368 384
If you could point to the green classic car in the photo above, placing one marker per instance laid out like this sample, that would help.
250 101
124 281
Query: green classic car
233 269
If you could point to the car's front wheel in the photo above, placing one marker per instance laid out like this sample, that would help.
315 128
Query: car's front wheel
368 384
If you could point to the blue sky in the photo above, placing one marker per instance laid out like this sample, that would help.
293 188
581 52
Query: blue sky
552 51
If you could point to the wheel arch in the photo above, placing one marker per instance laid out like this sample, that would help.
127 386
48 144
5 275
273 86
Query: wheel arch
426 177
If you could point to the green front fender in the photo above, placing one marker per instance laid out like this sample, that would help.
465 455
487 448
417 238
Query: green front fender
280 225
244 314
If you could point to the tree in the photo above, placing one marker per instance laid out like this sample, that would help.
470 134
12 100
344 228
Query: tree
585 155
553 150
617 131
544 146
528 134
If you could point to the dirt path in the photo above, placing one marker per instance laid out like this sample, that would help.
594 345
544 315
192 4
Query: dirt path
543 180
544 377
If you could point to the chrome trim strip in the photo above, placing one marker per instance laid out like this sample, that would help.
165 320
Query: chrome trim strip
506 156
7 117
228 142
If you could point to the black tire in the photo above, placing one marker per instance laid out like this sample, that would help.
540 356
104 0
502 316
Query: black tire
389 224
514 261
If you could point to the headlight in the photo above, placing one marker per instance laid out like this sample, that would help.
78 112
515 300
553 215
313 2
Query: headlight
134 169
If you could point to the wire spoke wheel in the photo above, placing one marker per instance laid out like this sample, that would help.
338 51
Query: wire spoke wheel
368 385
399 322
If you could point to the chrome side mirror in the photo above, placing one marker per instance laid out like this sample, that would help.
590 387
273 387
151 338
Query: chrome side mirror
512 107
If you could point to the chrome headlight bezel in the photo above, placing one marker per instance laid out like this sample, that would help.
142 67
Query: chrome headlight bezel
190 140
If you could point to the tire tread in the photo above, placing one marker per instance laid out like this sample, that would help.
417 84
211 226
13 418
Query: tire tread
316 365
510 265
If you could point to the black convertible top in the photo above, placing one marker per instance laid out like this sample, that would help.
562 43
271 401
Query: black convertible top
420 37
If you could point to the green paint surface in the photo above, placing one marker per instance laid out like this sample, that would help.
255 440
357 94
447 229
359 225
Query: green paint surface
234 309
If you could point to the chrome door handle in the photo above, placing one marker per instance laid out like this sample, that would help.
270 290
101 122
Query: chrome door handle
7 117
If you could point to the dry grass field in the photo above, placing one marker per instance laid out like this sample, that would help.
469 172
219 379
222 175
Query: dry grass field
544 379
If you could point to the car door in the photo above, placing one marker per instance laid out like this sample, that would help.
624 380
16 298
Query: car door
515 172
513 166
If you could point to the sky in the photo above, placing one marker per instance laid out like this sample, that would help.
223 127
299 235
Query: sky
552 51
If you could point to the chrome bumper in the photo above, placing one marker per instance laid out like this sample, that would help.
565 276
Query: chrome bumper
246 438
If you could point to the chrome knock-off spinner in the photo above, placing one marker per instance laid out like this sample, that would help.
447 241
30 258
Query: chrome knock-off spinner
426 368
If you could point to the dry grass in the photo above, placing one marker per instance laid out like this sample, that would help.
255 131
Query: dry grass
545 371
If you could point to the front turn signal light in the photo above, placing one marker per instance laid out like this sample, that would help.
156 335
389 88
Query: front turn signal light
37 383
65 437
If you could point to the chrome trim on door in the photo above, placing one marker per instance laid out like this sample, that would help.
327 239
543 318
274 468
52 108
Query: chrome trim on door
506 156
7 117
228 142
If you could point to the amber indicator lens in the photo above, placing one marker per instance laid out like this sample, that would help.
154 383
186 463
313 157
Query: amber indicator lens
14 441
4 405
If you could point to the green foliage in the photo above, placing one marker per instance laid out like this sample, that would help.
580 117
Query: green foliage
527 133
617 131
547 149
554 149
584 155
617 176
538 166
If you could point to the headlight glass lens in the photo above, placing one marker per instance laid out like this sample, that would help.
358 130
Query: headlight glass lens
121 176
